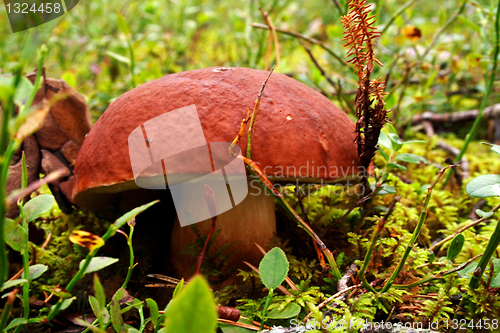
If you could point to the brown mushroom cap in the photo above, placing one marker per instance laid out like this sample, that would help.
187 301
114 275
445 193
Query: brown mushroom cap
299 134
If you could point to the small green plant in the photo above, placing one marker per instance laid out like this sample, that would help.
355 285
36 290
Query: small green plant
273 269
484 186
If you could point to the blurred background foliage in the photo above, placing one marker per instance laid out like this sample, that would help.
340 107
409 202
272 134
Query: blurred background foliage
89 50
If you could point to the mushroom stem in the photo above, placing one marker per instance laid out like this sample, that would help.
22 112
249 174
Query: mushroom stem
251 221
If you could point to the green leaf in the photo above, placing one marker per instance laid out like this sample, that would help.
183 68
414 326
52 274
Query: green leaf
58 291
467 271
36 270
98 303
23 91
496 148
98 263
37 206
67 302
470 24
99 292
91 327
15 235
118 57
383 153
273 268
8 284
193 310
24 176
455 247
384 141
291 310
122 24
495 281
153 310
483 214
397 143
386 189
432 256
69 78
484 186
410 158
130 215
392 165
178 288
115 311
15 322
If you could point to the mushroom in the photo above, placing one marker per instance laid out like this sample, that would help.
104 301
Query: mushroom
299 137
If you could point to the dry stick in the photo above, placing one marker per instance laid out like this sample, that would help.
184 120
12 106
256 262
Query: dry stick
492 111
335 87
464 163
255 171
321 258
416 232
462 229
242 325
348 276
309 39
437 276
331 298
210 200
272 36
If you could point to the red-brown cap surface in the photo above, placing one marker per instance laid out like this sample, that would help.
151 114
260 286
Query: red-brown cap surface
299 133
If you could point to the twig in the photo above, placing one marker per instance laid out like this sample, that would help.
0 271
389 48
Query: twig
437 276
309 39
336 87
454 151
462 229
348 276
15 195
492 111
272 36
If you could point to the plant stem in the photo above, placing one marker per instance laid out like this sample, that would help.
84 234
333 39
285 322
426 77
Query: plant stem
132 257
5 158
264 310
416 232
396 14
489 88
368 255
7 308
132 61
